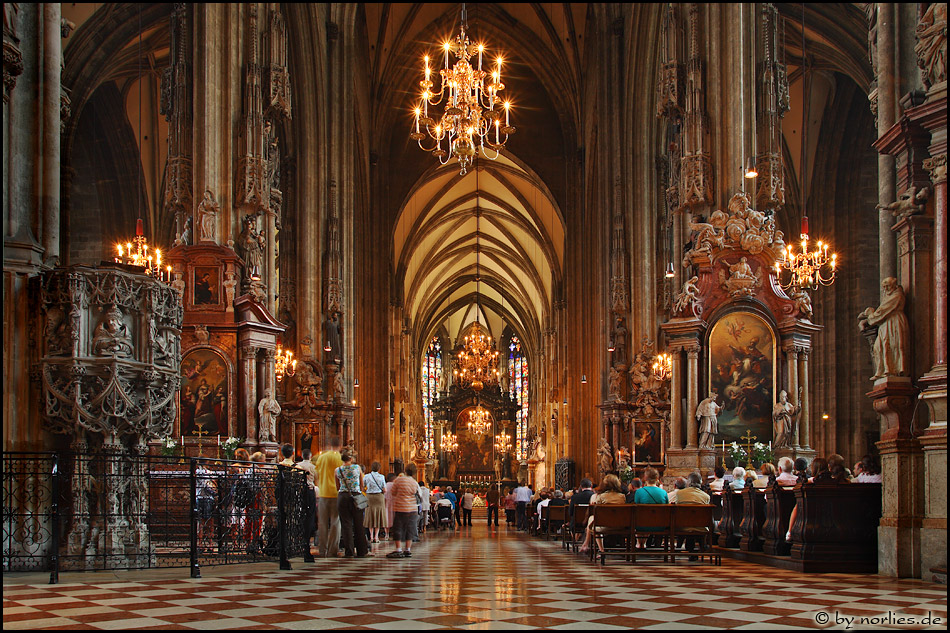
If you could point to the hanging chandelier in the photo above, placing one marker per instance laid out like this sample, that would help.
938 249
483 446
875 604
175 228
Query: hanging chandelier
284 363
503 442
473 114
136 253
807 269
663 366
449 443
478 361
479 421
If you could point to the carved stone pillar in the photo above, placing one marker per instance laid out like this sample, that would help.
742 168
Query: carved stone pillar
248 382
692 398
791 362
617 424
886 117
676 408
802 437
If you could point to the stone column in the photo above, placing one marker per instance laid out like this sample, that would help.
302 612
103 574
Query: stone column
676 408
692 398
803 435
617 423
51 126
791 364
886 117
247 384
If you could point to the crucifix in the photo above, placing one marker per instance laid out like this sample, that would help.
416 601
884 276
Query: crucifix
200 432
749 438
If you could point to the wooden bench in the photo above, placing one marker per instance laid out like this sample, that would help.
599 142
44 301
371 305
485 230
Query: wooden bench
836 527
753 520
577 527
731 518
780 501
552 520
614 521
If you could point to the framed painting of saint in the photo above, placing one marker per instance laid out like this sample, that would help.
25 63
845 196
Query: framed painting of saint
742 374
475 451
205 393
305 437
205 287
647 446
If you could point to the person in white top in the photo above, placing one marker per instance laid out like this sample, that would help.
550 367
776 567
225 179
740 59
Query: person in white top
787 476
717 479
867 471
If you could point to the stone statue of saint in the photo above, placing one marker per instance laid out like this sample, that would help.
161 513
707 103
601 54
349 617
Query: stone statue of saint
605 458
229 287
179 284
334 338
207 218
252 247
339 388
402 421
111 337
613 384
269 409
784 417
890 348
707 413
185 238
498 467
741 270
619 357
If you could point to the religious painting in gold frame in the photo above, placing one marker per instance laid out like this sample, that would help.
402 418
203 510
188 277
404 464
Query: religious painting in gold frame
743 374
475 451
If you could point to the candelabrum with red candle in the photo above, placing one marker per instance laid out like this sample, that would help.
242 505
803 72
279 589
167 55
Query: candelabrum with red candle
137 253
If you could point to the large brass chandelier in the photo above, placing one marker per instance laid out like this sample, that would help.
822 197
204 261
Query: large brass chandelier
473 113
477 362
479 421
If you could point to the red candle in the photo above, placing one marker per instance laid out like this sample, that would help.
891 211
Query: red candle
138 228
804 225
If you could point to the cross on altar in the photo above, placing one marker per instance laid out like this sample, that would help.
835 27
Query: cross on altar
200 432
749 438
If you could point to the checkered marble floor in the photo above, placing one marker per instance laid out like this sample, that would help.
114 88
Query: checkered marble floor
471 579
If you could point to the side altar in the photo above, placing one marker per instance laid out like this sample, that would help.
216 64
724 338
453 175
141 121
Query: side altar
739 341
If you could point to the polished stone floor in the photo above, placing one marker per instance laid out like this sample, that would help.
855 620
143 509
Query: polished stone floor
475 578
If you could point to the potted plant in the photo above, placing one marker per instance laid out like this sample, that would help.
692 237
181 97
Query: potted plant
737 454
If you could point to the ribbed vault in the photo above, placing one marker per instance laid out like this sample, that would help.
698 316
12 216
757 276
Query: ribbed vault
520 249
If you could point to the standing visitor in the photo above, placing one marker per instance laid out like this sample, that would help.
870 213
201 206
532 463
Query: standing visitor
491 499
468 502
522 497
328 539
310 500
510 507
424 504
375 516
349 499
405 513
388 496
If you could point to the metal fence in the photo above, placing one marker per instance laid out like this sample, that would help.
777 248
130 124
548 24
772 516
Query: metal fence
120 510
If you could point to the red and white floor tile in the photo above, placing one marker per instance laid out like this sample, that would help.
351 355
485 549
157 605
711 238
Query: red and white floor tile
472 579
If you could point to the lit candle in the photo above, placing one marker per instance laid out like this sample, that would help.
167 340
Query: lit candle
219 440
481 48
417 120
446 47
168 277
507 109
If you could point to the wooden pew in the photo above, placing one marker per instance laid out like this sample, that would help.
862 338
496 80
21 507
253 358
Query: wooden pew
778 509
836 527
731 518
753 520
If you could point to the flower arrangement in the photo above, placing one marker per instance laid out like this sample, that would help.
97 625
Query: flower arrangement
230 445
761 453
169 446
737 453
626 474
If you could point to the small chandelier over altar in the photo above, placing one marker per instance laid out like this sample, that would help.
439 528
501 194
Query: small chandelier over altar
284 363
473 115
478 361
663 366
136 253
449 443
807 269
479 421
503 442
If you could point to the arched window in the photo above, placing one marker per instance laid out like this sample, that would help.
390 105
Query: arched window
431 379
518 389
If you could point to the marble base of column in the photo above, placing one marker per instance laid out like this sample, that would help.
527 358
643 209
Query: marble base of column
270 449
933 529
421 468
683 461
899 531
532 472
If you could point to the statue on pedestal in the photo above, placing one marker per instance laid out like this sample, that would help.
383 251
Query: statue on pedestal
707 413
784 418
207 217
605 458
890 348
613 384
269 409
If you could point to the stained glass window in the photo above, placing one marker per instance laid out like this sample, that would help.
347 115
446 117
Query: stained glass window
431 378
518 389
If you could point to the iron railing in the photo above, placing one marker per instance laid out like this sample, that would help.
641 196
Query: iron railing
121 510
